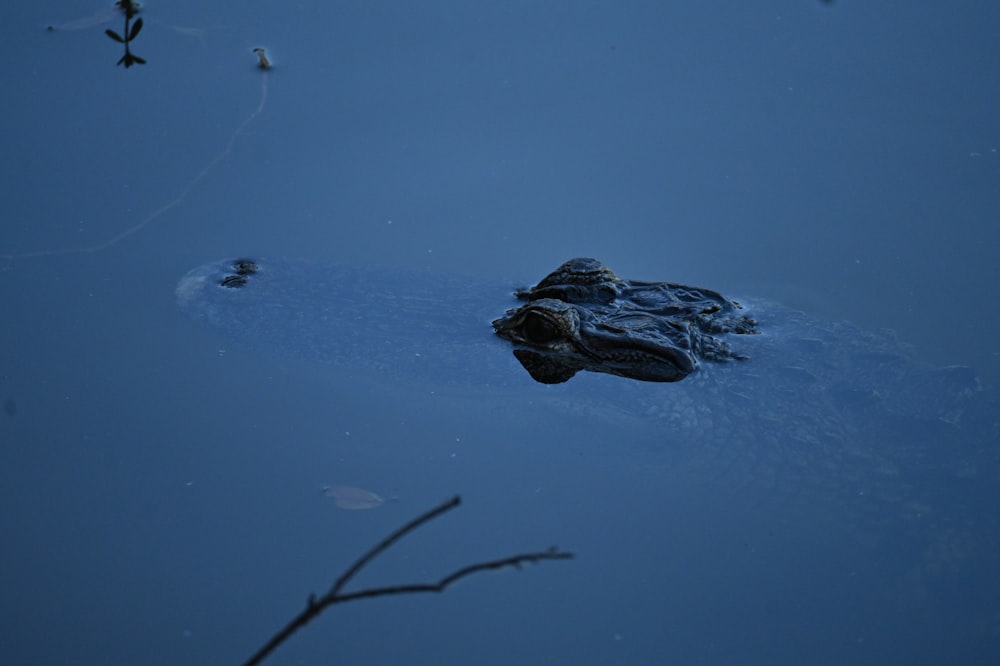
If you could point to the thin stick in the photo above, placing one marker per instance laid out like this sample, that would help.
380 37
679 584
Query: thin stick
388 541
316 606
164 208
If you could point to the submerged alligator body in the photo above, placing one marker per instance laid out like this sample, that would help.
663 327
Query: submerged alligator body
756 372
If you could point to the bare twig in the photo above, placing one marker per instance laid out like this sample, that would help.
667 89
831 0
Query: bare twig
315 606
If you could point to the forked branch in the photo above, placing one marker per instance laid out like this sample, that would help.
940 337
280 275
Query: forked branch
315 606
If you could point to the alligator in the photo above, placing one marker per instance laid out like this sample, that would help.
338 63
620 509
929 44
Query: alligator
584 317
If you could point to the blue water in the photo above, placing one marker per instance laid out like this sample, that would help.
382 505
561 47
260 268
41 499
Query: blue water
162 486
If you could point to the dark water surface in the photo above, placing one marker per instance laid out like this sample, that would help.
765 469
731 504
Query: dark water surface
163 481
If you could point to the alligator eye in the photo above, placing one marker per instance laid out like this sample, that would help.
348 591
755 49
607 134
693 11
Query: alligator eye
537 328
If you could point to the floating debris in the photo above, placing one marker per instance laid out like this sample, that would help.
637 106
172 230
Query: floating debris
262 60
352 498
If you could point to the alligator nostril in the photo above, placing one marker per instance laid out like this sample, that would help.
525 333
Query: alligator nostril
245 267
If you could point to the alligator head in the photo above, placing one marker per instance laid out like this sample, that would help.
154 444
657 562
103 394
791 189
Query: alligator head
584 317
